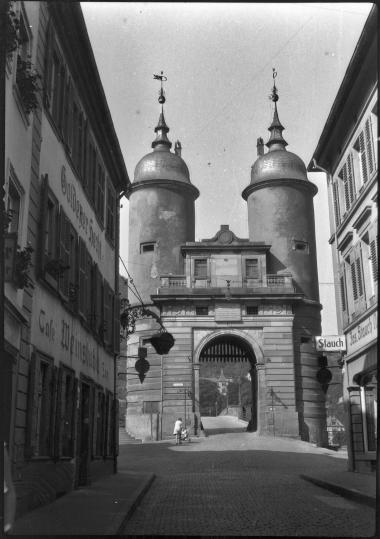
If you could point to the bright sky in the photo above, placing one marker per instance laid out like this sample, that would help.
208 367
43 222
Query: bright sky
218 59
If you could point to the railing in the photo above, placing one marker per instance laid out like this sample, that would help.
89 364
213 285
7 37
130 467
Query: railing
267 281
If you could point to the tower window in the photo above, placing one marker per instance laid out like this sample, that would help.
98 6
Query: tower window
299 245
147 247
252 309
200 268
201 310
252 268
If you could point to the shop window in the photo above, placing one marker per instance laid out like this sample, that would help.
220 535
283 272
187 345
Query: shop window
111 213
40 406
66 418
370 396
201 310
200 268
252 309
99 423
110 422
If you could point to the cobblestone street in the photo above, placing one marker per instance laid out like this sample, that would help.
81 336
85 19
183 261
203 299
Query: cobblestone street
239 484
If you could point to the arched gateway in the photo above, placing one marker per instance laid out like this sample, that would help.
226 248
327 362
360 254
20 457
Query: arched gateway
226 377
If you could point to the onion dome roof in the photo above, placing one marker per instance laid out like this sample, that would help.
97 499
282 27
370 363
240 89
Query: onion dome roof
161 163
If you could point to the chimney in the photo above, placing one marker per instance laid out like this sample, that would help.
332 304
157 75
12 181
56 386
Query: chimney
177 148
260 146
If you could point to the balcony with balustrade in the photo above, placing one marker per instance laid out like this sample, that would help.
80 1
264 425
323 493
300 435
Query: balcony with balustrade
185 285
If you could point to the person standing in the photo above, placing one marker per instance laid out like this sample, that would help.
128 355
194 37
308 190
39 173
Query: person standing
177 430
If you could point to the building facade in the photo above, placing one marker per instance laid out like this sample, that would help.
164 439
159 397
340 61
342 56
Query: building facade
347 152
65 174
246 305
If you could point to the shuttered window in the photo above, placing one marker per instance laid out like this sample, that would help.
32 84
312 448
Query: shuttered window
73 269
99 202
97 303
116 324
374 259
347 176
343 293
111 213
336 203
108 316
354 281
64 254
84 281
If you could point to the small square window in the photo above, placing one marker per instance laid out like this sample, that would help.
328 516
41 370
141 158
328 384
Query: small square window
201 310
299 245
252 309
147 247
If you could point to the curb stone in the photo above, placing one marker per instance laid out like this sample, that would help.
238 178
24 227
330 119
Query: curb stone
350 493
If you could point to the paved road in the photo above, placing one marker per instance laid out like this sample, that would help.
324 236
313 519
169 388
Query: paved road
240 484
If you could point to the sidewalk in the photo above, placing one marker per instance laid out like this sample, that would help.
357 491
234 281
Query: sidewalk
100 509
358 487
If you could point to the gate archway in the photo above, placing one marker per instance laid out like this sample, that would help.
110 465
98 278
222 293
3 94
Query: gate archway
228 379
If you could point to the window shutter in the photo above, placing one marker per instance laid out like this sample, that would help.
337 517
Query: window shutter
100 321
89 288
369 145
48 64
359 276
346 188
342 293
350 177
363 157
116 324
73 270
84 156
373 245
74 411
46 442
40 258
336 203
354 282
64 253
82 278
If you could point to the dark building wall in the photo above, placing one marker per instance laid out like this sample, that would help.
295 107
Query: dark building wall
282 215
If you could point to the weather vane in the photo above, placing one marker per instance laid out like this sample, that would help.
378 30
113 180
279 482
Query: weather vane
274 95
161 93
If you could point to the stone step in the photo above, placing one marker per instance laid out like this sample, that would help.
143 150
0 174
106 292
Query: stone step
126 438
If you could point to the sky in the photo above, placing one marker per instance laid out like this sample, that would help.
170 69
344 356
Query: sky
218 59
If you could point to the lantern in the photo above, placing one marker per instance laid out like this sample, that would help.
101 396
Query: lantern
162 342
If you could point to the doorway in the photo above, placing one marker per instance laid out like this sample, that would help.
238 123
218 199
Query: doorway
84 442
228 386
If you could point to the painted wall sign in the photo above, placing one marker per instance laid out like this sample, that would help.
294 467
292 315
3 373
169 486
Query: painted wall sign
362 334
60 335
85 223
330 343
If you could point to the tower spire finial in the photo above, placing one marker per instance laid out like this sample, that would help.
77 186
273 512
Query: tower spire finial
161 129
276 141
